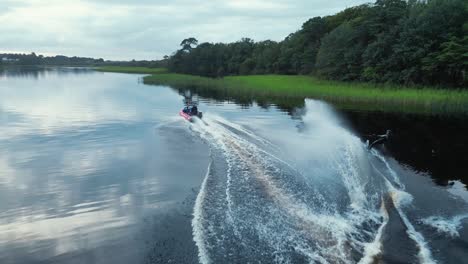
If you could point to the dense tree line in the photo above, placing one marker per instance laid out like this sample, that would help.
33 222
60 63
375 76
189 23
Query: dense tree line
33 59
395 41
60 60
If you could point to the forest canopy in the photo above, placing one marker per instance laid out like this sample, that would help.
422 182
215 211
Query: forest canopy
389 41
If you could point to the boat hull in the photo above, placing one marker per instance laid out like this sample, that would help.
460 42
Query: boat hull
185 116
190 117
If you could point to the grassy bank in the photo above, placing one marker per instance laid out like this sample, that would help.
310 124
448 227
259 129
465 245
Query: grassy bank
358 96
142 70
287 88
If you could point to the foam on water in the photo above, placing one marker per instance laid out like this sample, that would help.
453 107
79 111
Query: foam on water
394 175
458 189
197 229
449 226
401 199
256 205
374 248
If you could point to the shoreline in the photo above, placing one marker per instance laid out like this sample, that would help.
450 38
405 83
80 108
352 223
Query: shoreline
351 96
137 70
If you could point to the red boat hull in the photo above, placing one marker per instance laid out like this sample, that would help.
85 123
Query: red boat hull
185 115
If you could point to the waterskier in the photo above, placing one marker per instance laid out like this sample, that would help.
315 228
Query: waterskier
380 139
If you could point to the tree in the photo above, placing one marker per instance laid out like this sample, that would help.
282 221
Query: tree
397 41
450 63
187 44
422 34
340 53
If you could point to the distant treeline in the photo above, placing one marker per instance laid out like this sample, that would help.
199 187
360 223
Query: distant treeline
60 60
390 41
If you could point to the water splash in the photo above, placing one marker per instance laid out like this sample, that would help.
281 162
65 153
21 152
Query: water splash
374 248
449 226
400 199
262 200
198 235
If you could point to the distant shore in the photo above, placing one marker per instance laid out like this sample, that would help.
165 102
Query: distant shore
141 70
353 96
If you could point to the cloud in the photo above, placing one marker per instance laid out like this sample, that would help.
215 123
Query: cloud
125 29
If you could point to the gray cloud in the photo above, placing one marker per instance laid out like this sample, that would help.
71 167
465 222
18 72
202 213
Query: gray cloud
145 29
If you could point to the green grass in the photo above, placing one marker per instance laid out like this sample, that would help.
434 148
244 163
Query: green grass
142 70
287 88
354 96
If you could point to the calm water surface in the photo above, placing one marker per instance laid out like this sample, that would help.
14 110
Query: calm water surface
98 168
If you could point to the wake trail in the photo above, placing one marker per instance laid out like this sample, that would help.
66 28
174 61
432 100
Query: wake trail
400 199
446 225
256 206
197 229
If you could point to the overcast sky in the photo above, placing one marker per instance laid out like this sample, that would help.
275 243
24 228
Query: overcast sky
148 29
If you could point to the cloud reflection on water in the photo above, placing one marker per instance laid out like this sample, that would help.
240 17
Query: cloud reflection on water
77 159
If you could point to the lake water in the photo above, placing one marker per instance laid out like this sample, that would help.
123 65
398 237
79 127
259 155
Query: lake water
99 168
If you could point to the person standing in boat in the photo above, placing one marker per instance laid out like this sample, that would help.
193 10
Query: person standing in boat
194 110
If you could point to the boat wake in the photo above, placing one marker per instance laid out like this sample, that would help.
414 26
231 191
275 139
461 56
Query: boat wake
449 226
319 197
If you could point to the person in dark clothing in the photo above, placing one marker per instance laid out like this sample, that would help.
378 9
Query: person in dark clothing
194 110
380 139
